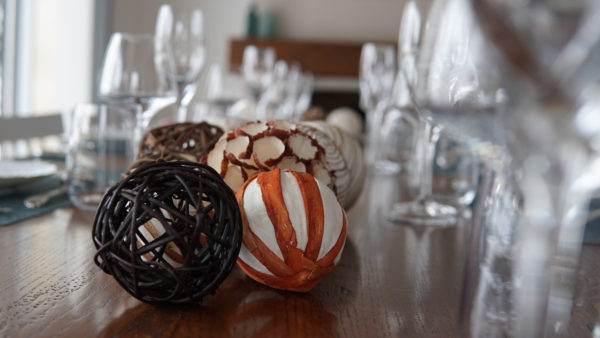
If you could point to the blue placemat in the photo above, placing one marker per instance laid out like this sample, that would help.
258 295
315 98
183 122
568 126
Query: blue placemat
13 200
592 227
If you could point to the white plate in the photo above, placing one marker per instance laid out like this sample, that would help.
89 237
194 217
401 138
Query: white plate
17 172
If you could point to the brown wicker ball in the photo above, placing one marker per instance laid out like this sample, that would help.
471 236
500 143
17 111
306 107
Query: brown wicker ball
170 232
185 141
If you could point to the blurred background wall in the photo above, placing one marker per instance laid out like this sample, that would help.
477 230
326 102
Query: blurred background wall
334 20
53 49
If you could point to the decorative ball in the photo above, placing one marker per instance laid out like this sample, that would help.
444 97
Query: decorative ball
346 119
263 146
344 155
294 229
312 114
185 141
353 155
169 232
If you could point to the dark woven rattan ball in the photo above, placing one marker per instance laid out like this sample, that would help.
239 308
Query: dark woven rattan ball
170 232
186 141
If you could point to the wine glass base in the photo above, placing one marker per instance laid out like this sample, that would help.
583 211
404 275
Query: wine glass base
386 168
426 213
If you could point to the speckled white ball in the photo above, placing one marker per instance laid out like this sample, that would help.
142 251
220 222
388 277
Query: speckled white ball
346 119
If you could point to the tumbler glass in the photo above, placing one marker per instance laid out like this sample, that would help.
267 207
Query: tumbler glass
100 149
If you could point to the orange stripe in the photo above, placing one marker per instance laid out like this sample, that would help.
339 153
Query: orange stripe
302 281
315 216
272 195
269 259
255 245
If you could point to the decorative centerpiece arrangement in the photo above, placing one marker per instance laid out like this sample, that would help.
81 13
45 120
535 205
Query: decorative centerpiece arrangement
263 146
169 232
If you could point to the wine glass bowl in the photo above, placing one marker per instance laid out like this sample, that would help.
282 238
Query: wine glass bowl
257 68
135 69
182 32
138 70
376 74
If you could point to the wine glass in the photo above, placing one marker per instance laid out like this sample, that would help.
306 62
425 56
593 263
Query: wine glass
182 31
288 95
137 70
377 69
408 134
257 68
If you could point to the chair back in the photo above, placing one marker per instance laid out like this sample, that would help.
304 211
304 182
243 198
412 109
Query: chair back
16 131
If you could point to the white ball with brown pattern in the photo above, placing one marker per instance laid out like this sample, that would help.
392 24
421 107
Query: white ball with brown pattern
294 229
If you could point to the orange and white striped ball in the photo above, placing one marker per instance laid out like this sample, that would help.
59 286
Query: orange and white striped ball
294 229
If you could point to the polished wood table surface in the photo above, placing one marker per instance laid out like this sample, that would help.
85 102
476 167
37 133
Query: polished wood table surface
392 281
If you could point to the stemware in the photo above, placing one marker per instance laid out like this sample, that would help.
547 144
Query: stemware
409 135
182 31
288 95
257 68
376 74
544 46
137 70
377 70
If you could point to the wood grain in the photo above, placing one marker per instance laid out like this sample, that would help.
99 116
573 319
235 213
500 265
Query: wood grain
392 281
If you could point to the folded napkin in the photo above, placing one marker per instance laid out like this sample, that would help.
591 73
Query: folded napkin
13 199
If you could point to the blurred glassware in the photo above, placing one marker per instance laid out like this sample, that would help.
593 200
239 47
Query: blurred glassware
407 137
455 171
519 281
138 69
257 68
288 95
223 91
376 73
395 124
100 149
182 31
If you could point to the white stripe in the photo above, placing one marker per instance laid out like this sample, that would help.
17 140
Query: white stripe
333 220
247 257
339 256
292 196
258 219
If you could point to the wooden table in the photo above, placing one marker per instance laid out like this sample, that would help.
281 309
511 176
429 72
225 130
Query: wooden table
392 281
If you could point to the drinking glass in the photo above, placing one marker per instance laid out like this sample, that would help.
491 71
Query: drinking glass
182 31
223 91
409 136
377 70
527 236
376 74
456 169
138 69
257 68
100 149
288 95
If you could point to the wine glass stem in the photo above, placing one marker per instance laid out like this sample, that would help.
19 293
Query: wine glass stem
180 92
180 105
430 137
